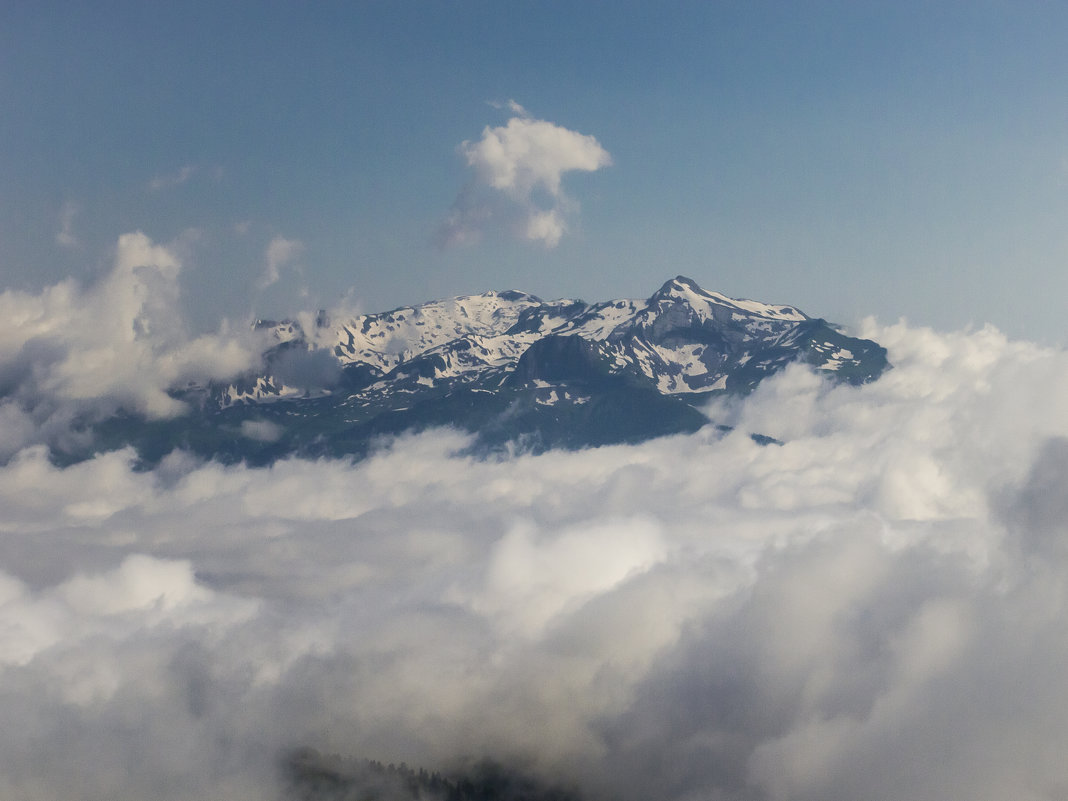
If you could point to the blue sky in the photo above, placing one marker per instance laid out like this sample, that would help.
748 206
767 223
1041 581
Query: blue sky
852 158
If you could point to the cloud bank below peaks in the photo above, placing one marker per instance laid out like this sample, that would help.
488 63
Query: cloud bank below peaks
518 171
874 609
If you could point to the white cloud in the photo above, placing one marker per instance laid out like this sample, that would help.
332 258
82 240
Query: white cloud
512 106
173 179
533 577
66 237
528 154
280 253
261 430
518 169
73 351
546 227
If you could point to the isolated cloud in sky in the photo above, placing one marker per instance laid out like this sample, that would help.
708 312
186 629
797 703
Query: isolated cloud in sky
173 179
873 609
518 170
66 237
280 253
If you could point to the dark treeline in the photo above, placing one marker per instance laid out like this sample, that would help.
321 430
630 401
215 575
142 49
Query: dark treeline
311 776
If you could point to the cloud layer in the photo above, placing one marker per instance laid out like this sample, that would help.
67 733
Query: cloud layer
874 609
518 170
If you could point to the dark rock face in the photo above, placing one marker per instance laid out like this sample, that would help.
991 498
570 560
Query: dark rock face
558 358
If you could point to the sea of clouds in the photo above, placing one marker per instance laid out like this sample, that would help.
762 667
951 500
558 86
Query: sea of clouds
875 609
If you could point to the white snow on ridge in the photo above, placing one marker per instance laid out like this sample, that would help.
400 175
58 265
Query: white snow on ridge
840 357
702 301
265 391
549 324
387 339
600 320
687 357
463 337
752 307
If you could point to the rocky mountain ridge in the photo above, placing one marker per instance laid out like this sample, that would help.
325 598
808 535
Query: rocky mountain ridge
683 340
507 366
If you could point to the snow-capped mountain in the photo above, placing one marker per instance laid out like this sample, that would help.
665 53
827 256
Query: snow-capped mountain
682 340
510 368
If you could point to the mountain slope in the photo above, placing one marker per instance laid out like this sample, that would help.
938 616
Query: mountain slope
507 366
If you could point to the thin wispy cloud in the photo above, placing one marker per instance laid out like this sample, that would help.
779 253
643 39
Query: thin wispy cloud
173 179
280 254
66 237
517 184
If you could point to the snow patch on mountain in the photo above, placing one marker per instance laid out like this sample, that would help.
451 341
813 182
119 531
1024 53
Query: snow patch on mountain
387 339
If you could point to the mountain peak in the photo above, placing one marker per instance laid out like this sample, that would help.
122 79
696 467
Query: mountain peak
678 286
683 290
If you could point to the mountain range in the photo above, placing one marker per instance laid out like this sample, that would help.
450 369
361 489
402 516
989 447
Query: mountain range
512 369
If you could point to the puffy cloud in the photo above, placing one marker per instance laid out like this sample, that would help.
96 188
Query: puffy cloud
528 154
869 610
72 351
518 172
531 577
545 226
